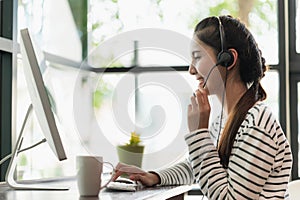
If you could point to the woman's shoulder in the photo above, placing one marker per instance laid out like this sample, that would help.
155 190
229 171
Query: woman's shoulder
260 109
261 119
261 115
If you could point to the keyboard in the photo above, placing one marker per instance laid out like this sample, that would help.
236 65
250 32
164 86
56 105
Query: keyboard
122 184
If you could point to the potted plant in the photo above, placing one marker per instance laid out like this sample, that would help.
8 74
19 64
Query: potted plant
132 152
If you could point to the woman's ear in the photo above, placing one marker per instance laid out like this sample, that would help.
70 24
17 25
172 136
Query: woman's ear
235 57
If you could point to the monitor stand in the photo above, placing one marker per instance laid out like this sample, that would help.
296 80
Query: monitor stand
9 178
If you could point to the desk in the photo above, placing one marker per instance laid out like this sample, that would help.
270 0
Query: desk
157 193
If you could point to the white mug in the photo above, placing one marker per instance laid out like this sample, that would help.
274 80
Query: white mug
89 170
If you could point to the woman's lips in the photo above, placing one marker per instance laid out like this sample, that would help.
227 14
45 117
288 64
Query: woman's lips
201 82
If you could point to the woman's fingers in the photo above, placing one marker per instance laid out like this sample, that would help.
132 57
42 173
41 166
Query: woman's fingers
202 99
204 96
198 110
143 179
193 104
122 168
119 165
117 174
199 96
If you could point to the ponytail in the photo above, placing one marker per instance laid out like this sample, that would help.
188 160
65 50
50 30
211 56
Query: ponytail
235 119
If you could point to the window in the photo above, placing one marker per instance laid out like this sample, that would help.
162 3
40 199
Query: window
139 82
109 18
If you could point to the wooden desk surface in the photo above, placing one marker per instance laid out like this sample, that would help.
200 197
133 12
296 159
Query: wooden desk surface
167 192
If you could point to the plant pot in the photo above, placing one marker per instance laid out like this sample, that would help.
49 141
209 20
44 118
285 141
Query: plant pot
131 155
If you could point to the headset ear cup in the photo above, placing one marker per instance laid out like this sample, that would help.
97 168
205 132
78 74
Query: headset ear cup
225 58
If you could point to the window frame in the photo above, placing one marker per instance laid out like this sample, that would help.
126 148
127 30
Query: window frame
6 67
294 57
294 73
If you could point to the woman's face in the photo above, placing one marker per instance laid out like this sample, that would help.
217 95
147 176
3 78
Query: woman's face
203 60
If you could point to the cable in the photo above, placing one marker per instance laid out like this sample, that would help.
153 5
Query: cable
44 140
112 174
25 149
211 69
221 115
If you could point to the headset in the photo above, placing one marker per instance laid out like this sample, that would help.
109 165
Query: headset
225 57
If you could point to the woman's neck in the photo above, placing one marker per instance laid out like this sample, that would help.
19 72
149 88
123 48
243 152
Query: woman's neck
234 91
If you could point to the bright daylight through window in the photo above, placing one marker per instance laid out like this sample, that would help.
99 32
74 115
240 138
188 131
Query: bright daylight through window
102 21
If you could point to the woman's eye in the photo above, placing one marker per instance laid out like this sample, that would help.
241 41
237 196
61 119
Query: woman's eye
197 58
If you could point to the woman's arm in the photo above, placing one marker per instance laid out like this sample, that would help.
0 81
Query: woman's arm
179 174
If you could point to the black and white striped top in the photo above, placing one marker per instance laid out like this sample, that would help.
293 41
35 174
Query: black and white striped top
259 166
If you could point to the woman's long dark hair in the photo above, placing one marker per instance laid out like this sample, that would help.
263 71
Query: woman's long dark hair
251 69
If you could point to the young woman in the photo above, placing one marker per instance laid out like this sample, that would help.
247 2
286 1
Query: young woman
244 154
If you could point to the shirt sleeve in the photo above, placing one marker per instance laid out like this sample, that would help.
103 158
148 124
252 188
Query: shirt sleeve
179 174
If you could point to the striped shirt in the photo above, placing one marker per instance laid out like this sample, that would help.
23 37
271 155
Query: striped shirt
259 166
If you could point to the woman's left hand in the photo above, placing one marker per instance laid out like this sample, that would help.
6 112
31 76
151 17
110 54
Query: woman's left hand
136 174
198 110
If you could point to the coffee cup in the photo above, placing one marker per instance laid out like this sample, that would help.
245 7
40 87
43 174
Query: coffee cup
89 170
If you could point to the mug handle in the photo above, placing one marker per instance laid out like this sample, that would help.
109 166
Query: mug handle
111 178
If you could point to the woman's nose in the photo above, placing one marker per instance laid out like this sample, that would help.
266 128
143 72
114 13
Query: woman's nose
192 69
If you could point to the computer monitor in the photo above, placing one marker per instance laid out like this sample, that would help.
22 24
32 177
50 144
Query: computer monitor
40 103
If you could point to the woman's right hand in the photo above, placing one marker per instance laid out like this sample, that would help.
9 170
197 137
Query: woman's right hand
136 174
198 110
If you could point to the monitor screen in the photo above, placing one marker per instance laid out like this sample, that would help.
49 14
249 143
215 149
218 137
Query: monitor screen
39 95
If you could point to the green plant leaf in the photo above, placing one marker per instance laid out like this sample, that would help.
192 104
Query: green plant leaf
134 139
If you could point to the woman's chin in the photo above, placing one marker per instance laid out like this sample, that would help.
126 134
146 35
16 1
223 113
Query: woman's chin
201 85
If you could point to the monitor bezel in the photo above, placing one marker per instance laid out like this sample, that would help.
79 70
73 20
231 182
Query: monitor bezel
39 96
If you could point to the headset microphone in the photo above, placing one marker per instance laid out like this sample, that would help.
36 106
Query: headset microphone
214 66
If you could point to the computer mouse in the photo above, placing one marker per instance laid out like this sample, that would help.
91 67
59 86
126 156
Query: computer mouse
124 180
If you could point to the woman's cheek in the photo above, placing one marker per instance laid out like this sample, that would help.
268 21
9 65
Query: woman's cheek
203 68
